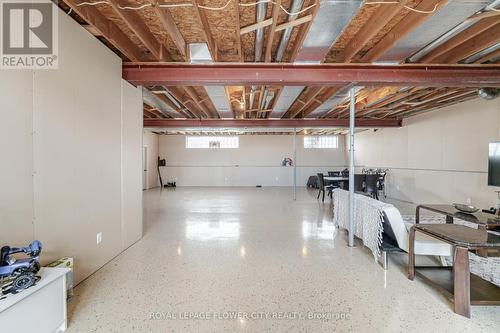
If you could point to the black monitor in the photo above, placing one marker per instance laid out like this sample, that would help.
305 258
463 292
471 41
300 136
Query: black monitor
494 164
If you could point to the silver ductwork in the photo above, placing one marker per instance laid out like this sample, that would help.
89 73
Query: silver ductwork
180 108
259 43
435 27
475 57
252 96
167 94
449 34
268 99
288 95
155 102
259 33
263 100
339 98
218 97
285 36
329 23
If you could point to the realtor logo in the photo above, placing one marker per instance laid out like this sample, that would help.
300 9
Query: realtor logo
28 34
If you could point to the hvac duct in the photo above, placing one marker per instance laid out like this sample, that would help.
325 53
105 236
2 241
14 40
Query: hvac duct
449 34
259 33
329 23
285 36
475 57
218 97
439 24
288 95
155 102
259 42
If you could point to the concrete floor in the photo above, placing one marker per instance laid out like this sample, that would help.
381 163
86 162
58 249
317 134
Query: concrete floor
252 260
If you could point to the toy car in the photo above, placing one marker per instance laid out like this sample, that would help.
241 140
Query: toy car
20 271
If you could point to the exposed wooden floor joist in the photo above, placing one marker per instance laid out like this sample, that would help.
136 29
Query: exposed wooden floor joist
143 31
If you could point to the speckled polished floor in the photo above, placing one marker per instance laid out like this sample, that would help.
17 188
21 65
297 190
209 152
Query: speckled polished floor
253 260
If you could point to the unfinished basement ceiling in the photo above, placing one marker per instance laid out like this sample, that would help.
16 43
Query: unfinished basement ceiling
330 31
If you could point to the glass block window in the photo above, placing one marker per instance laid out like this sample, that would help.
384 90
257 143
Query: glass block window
214 142
321 141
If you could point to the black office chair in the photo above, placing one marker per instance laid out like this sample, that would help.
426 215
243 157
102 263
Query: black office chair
371 187
345 172
323 187
359 183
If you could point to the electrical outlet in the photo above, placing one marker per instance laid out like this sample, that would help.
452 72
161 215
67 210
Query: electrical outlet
226 179
99 237
468 201
277 178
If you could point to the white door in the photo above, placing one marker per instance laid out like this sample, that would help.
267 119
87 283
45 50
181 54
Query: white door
145 168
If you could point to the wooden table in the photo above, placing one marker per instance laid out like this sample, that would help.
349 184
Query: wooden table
483 220
457 283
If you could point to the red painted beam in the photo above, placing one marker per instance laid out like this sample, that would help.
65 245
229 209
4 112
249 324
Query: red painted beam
172 74
267 123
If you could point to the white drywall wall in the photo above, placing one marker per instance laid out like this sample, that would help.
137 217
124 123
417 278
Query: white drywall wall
436 157
68 168
257 161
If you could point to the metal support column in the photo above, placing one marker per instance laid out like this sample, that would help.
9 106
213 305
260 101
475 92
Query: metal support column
352 112
294 164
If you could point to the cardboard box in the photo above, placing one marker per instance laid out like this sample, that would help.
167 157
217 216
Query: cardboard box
65 262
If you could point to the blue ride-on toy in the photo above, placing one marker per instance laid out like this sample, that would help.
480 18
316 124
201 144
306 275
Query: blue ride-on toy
20 271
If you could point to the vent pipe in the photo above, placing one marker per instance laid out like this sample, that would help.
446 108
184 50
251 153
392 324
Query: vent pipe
259 43
259 33
285 36
154 101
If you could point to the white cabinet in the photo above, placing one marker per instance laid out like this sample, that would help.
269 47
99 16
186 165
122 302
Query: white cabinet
40 308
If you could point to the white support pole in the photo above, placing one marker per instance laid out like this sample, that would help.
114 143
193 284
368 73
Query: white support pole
352 112
294 164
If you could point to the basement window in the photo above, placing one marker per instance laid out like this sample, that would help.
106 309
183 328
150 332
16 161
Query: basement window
321 142
213 142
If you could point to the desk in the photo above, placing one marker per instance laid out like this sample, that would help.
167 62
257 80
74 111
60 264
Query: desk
40 308
457 283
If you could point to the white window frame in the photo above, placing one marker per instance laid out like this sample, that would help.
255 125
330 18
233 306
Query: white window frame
321 142
212 142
